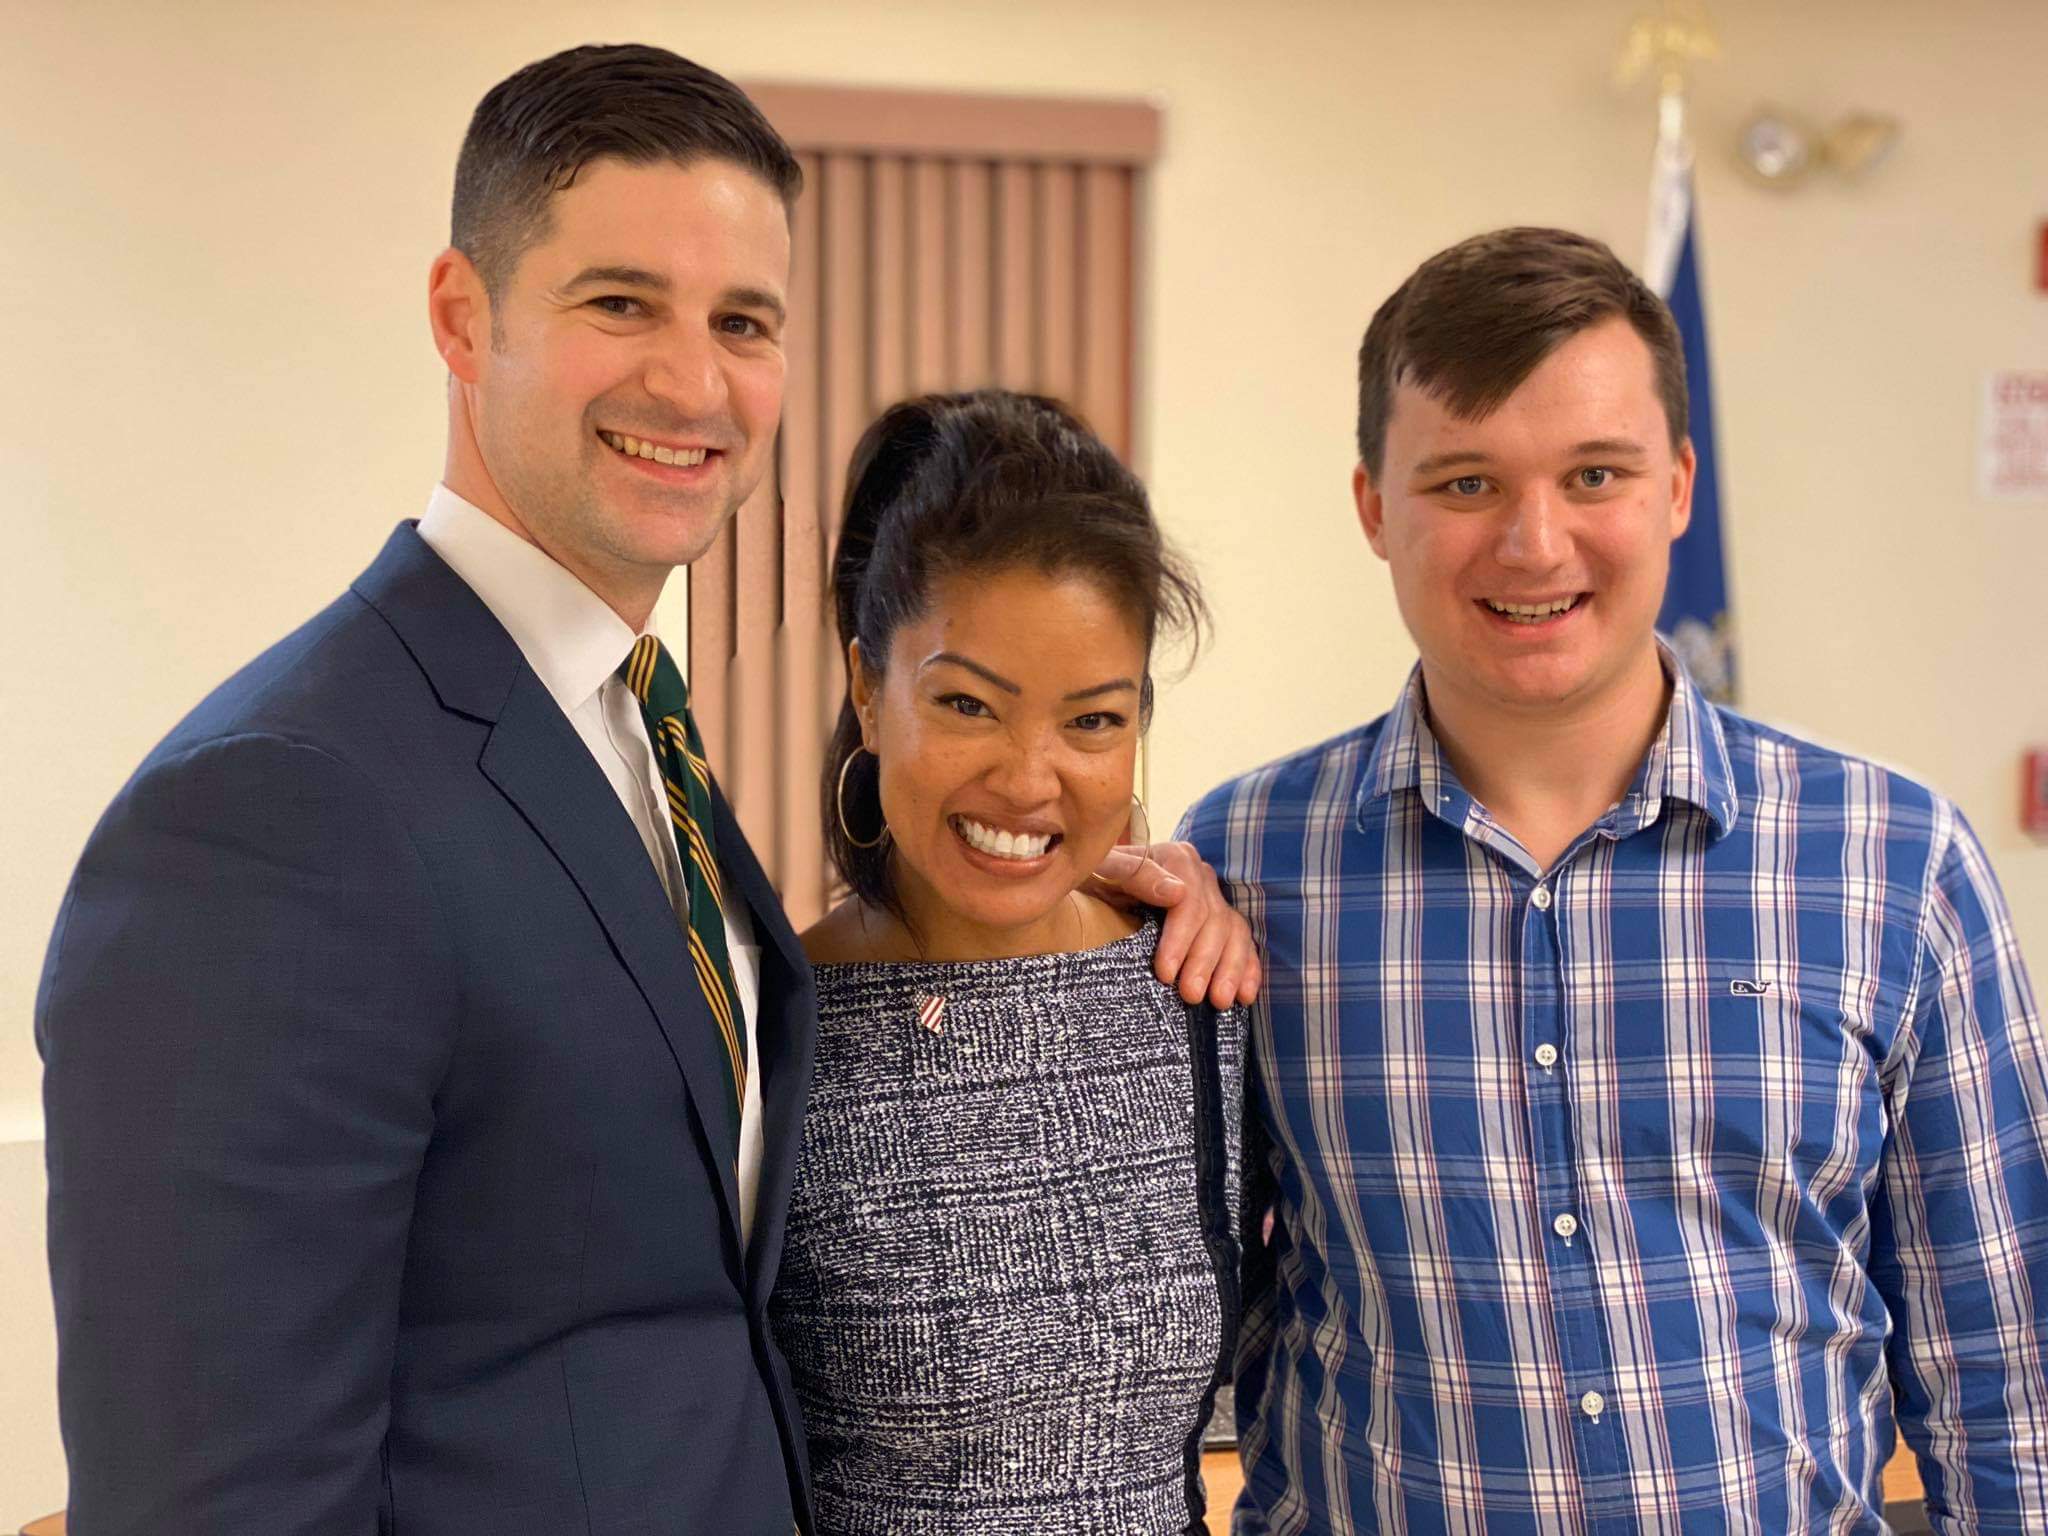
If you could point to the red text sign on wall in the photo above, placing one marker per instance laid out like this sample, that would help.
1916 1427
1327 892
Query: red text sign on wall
2012 442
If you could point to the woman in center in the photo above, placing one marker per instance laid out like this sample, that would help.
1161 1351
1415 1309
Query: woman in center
1008 1288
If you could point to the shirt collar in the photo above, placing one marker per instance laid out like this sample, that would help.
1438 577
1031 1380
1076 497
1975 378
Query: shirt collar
1406 755
1687 761
568 634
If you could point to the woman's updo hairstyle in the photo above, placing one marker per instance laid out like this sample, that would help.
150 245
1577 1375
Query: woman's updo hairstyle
982 482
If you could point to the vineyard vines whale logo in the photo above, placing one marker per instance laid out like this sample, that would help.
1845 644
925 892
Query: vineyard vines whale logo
1738 987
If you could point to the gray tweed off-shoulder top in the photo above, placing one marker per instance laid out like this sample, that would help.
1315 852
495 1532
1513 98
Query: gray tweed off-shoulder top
1009 1287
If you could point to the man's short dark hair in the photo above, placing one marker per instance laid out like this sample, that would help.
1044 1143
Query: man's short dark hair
1472 322
534 131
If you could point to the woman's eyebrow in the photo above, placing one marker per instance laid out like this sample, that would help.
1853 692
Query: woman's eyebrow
973 666
1117 685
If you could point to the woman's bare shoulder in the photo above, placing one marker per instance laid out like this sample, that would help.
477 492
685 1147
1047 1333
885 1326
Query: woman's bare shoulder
847 935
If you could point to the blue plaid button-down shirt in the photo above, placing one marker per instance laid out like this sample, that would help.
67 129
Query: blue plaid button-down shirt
1622 1197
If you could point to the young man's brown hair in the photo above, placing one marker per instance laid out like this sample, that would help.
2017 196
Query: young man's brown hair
1472 322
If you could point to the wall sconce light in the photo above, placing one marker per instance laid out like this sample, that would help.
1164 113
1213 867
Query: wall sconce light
1777 148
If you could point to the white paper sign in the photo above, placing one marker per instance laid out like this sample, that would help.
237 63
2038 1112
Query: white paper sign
2012 444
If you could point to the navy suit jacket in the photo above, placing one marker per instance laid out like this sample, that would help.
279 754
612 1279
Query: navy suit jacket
383 1110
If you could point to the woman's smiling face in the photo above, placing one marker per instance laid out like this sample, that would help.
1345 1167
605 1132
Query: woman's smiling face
1006 728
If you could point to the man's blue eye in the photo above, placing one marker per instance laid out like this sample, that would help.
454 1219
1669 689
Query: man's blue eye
1595 479
1468 485
617 304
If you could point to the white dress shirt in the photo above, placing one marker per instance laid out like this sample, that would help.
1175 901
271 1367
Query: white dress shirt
574 642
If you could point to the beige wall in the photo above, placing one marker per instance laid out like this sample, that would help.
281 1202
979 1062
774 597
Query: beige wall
218 392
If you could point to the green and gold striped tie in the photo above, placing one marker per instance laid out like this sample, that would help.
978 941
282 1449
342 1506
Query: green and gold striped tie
665 703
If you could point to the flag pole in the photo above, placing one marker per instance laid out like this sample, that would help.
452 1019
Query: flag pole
1668 44
1696 611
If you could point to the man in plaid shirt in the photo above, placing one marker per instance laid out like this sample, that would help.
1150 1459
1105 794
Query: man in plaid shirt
1653 1105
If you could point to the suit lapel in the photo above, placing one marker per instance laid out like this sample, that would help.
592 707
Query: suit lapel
539 763
536 760
786 1034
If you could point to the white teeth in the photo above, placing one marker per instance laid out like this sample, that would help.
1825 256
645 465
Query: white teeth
633 447
1000 844
1531 613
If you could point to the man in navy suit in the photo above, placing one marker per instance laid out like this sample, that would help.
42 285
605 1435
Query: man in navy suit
408 1170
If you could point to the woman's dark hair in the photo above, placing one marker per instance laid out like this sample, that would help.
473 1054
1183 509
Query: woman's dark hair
982 482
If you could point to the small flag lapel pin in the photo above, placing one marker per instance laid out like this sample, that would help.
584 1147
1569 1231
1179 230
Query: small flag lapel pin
931 1012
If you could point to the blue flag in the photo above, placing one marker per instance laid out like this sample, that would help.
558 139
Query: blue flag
1695 613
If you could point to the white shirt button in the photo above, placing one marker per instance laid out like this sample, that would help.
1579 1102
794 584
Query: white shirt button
1566 1226
1540 898
1546 1055
1592 1405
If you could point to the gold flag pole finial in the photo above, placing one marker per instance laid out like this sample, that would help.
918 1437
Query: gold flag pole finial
1668 43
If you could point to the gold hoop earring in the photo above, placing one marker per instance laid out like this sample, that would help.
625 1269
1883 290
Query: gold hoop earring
839 802
1139 825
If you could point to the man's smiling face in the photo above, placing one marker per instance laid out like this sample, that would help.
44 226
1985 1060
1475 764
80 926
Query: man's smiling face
1529 548
628 401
